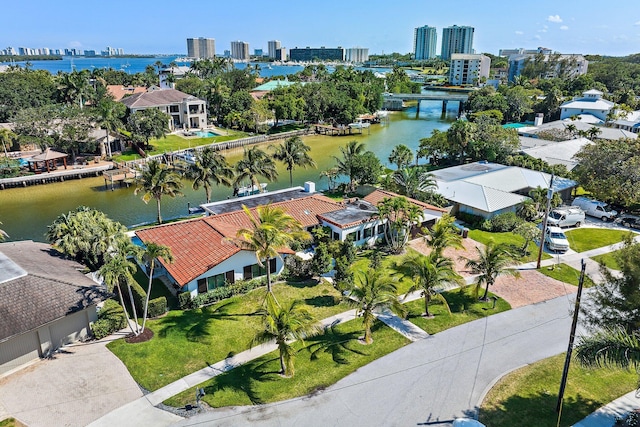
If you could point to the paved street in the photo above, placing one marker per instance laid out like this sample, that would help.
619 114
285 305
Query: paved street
431 380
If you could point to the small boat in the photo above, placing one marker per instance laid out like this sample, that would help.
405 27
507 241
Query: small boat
186 156
194 210
249 191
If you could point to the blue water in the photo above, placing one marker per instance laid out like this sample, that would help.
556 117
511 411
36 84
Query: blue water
206 134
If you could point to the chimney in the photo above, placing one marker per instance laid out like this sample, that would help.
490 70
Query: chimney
538 120
309 187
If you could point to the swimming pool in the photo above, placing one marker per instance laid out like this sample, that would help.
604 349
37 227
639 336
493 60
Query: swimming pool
206 134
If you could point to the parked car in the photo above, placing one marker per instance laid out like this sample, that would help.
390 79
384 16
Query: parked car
630 221
595 208
556 240
566 216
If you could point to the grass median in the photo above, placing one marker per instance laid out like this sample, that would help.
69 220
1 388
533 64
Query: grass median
585 239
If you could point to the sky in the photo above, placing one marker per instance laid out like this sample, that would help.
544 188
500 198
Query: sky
383 26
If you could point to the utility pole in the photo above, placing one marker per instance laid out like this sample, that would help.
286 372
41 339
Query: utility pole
572 336
544 221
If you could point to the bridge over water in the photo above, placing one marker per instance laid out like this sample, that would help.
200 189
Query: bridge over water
394 101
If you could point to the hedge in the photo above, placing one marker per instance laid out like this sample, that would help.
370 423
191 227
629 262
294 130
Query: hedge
139 295
238 288
157 307
110 319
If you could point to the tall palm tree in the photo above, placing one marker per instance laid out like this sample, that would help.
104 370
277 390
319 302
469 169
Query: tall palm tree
609 348
209 168
414 181
429 274
284 325
401 156
157 181
253 164
110 114
7 137
347 164
399 215
150 253
444 234
271 229
116 271
293 152
371 292
494 261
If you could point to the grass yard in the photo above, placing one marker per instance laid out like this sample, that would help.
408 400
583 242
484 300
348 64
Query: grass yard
510 239
361 264
10 422
584 239
175 142
186 341
608 259
338 354
464 306
528 396
567 274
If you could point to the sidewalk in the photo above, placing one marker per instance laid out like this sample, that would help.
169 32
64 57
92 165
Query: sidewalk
606 416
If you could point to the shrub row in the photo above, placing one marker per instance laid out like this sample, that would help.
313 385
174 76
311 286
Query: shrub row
110 319
157 307
506 221
240 287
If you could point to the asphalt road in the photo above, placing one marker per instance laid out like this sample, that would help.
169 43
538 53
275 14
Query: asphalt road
429 382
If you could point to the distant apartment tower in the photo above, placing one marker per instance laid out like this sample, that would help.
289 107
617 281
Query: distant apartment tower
281 54
274 45
240 50
456 40
201 48
556 65
424 42
468 69
521 51
357 54
316 54
258 52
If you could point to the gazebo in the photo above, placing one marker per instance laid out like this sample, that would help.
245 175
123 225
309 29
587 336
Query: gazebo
49 158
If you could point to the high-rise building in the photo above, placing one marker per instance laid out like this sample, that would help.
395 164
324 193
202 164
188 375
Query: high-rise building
201 48
274 45
240 50
468 69
281 54
312 54
424 42
456 40
356 54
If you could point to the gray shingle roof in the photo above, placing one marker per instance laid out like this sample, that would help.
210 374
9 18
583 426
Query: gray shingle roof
156 97
52 288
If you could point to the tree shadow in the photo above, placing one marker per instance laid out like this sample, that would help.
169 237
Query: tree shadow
244 378
335 343
309 283
195 324
322 301
538 410
460 301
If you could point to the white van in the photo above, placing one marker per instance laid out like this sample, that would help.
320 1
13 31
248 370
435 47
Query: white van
556 240
595 208
566 216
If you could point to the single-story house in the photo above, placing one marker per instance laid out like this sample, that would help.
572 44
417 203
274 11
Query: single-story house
207 254
45 302
488 189
629 122
582 124
552 152
186 111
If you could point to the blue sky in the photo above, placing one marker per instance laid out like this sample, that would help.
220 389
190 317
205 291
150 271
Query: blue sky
162 26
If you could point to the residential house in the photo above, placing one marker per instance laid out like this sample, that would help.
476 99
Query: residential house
629 122
582 124
186 111
45 302
118 92
591 102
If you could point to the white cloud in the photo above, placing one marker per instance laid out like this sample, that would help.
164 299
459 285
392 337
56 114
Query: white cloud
544 30
637 24
564 27
554 18
75 44
537 37
519 33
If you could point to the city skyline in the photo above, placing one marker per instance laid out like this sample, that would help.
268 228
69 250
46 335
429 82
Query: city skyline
560 26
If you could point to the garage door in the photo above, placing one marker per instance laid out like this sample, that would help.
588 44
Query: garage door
18 351
69 329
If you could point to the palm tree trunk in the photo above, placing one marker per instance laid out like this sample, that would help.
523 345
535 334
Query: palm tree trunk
282 365
124 308
426 305
291 177
134 311
486 292
146 303
267 264
159 214
367 320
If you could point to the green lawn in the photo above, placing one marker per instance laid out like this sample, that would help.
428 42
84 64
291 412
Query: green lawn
361 264
186 341
567 274
584 239
10 422
608 259
339 354
510 239
527 397
176 142
464 306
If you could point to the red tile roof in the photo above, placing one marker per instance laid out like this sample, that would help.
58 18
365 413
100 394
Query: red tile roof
378 195
118 91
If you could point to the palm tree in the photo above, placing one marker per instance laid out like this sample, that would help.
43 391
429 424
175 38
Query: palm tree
399 215
284 325
401 156
609 348
430 274
157 181
347 165
444 234
209 168
117 270
254 163
293 152
7 137
371 292
331 175
494 261
110 114
272 229
150 253
414 181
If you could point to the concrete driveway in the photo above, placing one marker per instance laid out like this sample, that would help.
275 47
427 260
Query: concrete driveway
77 386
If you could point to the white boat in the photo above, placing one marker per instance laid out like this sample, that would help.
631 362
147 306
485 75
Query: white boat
251 190
186 156
359 125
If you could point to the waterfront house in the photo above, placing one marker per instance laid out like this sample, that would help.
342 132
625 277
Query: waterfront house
45 302
186 111
591 102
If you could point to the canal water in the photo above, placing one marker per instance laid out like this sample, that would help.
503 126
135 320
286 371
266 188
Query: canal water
26 212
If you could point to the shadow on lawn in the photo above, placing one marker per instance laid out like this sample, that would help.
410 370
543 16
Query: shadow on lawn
243 379
337 344
322 301
538 410
195 324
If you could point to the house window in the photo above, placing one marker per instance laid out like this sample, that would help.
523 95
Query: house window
368 232
202 286
380 228
336 236
216 281
255 270
174 109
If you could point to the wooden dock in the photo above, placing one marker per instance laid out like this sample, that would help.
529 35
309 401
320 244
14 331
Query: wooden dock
55 176
121 175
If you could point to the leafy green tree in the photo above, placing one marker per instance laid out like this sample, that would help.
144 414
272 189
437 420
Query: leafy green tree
86 235
429 274
399 216
372 291
443 234
347 165
367 168
76 88
321 261
272 229
110 114
151 252
529 232
210 168
293 152
147 124
72 136
253 164
493 261
460 135
25 89
284 325
434 147
158 181
401 156
527 210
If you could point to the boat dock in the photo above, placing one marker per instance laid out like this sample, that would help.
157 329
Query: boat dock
336 131
121 174
75 172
